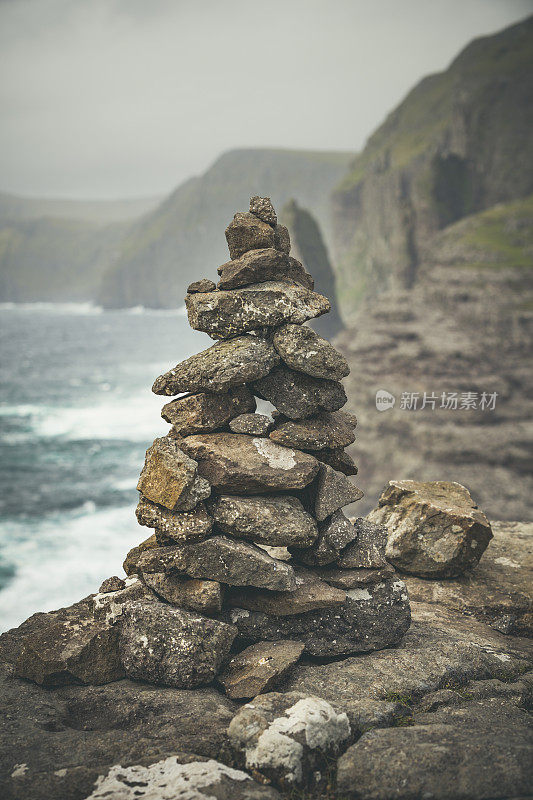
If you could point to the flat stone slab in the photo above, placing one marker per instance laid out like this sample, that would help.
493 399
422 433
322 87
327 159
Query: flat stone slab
353 578
332 491
310 594
221 559
297 396
206 411
259 668
371 618
172 647
247 232
192 594
177 525
254 424
435 529
324 430
222 366
279 521
257 266
222 314
170 478
304 350
239 464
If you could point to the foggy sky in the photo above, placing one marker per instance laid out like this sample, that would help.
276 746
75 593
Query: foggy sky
120 98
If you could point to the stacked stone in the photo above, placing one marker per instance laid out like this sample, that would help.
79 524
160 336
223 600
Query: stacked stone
251 546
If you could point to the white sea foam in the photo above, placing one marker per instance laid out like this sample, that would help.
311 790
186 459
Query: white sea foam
88 308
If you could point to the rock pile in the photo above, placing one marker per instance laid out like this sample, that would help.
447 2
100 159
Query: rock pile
251 552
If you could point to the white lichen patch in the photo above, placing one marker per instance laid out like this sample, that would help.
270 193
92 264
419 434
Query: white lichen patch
278 457
507 562
19 770
359 594
238 613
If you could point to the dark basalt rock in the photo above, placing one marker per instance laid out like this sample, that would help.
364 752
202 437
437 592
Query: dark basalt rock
258 266
297 395
207 411
352 578
203 285
223 314
334 534
172 647
175 525
324 430
332 490
247 232
259 668
219 368
368 549
337 459
239 464
304 350
279 521
254 424
310 594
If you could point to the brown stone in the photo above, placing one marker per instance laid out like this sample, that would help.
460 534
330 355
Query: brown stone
259 668
175 525
297 396
169 477
207 411
368 549
324 430
273 520
254 424
258 266
203 285
193 594
262 208
310 594
132 559
304 350
335 533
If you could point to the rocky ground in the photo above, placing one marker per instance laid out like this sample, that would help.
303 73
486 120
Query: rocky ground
442 715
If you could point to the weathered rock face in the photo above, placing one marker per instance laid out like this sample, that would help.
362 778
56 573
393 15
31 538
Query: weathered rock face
177 525
254 424
335 533
221 559
108 606
130 562
287 737
207 411
259 668
305 351
203 285
112 584
310 594
194 595
434 529
220 367
169 477
223 314
257 266
278 521
296 395
172 647
333 491
337 459
327 430
248 232
262 208
371 618
235 463
368 549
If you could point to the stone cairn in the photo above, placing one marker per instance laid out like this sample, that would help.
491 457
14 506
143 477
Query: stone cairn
251 553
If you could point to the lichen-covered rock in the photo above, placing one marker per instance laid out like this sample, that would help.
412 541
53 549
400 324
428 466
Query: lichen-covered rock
223 314
304 350
108 606
368 549
171 778
170 478
207 411
287 737
297 395
310 594
434 529
203 285
273 520
334 534
332 490
262 208
222 366
259 668
239 464
258 266
221 559
324 430
371 618
254 424
176 525
112 584
172 647
247 232
130 562
189 593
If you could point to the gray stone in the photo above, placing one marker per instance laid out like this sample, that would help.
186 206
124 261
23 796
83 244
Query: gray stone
334 534
193 780
172 647
108 606
324 430
203 285
371 618
297 395
207 411
434 528
239 464
259 668
288 737
337 459
130 562
304 350
194 595
262 208
368 549
223 314
169 477
176 525
258 266
248 232
352 578
254 424
278 521
219 368
333 490
112 584
221 559
310 594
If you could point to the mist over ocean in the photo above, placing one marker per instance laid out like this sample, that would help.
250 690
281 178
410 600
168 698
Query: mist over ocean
76 415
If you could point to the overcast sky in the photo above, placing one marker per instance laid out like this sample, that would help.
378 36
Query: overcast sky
125 98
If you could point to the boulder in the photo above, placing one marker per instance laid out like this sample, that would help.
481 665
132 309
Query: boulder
332 490
324 430
278 521
194 595
240 464
371 618
222 366
368 549
310 594
169 477
259 668
223 314
247 232
258 266
334 534
434 529
176 525
338 459
207 411
203 285
221 559
297 395
304 350
254 424
287 737
262 208
172 647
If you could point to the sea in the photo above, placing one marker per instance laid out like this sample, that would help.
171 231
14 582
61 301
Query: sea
76 416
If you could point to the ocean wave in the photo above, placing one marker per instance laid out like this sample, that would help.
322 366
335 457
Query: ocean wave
54 308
